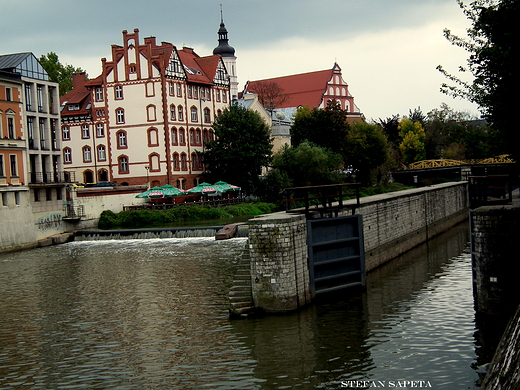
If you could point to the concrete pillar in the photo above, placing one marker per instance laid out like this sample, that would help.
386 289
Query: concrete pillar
279 270
496 259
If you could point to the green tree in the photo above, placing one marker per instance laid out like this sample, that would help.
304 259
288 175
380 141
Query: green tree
493 46
323 127
412 145
58 72
367 149
308 164
241 148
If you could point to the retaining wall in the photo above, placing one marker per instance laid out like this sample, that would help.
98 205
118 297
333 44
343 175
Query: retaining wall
392 224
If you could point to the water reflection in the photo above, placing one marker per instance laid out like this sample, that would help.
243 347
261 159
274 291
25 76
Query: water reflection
152 314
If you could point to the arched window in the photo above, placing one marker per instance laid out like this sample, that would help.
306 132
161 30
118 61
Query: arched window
207 115
101 153
87 154
102 175
176 162
155 165
120 115
172 112
123 165
182 137
194 116
184 162
211 135
67 155
194 161
153 137
121 139
205 136
180 111
192 136
174 136
88 176
219 112
197 136
151 113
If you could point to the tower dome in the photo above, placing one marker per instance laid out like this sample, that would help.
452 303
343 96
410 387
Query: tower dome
223 49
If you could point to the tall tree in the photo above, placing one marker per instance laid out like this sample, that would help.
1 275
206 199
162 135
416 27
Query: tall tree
493 44
367 149
241 148
58 72
413 137
323 127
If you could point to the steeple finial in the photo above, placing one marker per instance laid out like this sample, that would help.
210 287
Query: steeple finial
223 47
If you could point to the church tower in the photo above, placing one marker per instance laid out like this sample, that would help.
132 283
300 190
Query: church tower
228 57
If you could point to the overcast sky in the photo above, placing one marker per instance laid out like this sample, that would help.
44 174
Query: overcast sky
387 49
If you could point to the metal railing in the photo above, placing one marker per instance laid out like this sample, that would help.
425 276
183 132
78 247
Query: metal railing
324 198
52 177
74 212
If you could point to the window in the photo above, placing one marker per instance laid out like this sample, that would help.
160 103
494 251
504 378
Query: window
120 115
123 164
48 194
28 97
219 112
195 92
17 200
217 92
182 138
8 94
59 195
171 89
39 91
194 161
65 133
121 139
224 96
150 89
85 131
202 93
5 199
192 136
132 68
179 90
151 113
87 155
184 165
207 115
118 92
180 111
73 107
208 95
153 137
2 173
174 136
172 112
67 155
193 111
99 94
101 153
100 130
36 194
10 128
43 146
176 165
190 91
197 136
14 166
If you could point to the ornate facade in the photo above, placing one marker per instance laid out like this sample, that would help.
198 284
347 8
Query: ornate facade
146 116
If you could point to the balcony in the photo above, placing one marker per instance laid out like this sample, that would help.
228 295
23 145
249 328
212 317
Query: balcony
73 213
52 177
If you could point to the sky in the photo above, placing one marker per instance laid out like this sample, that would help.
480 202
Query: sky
388 50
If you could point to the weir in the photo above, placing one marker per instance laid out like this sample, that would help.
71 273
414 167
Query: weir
138 234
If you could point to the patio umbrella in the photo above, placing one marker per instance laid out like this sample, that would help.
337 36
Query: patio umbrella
203 189
226 187
154 192
171 191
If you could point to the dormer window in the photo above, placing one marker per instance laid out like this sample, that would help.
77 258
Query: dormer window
73 107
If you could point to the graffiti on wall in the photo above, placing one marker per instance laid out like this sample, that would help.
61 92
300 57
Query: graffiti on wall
50 222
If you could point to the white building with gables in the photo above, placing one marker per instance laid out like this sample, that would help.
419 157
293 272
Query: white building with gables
146 116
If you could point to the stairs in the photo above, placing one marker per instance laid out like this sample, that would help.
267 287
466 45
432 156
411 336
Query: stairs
241 303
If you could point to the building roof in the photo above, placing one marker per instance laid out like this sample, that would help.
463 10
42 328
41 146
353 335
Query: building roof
25 64
305 89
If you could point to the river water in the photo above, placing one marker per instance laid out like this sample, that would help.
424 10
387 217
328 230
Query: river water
152 314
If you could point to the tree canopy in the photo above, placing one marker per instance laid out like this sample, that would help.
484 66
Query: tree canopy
241 148
323 127
413 137
58 72
493 44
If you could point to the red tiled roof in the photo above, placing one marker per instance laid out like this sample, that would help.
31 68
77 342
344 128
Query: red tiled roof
304 89
195 66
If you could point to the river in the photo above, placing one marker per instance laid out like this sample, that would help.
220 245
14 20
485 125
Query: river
152 314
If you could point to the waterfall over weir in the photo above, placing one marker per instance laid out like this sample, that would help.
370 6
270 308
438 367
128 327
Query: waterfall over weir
137 234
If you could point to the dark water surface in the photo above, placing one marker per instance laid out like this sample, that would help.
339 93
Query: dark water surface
152 314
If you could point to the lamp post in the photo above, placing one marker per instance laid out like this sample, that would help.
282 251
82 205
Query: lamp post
147 179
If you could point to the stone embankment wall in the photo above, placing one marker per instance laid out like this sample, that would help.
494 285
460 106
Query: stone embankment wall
392 224
397 222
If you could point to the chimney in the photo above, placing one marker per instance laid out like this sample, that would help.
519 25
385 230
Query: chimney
78 79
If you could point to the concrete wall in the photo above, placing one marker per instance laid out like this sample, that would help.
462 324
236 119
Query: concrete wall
279 271
397 222
393 224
